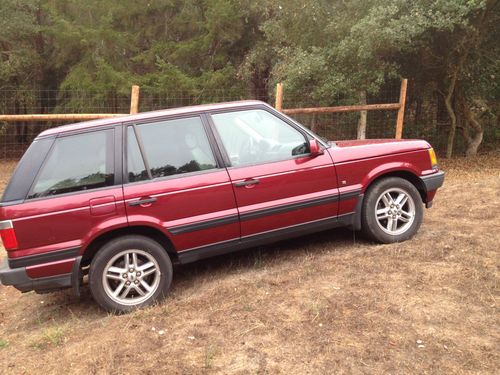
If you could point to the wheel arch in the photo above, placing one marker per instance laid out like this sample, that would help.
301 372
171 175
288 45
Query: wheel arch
401 173
404 174
143 230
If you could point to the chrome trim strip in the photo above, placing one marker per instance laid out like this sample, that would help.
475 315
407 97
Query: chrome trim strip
52 213
181 191
6 224
236 240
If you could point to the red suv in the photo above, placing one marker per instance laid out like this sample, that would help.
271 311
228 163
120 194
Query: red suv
122 199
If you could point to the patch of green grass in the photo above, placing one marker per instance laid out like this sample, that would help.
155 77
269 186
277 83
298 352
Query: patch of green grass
259 259
53 336
209 356
3 344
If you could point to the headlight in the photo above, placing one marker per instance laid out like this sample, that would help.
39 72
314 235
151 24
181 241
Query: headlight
432 156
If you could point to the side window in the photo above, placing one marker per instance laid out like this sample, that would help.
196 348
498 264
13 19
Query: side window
76 163
257 136
172 147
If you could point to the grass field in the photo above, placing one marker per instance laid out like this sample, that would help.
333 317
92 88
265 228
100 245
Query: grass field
326 303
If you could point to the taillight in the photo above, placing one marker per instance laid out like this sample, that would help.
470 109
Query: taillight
8 235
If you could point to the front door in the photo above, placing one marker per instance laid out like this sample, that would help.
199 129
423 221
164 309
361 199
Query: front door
276 181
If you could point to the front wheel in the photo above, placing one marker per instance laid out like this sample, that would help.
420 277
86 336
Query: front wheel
130 272
392 210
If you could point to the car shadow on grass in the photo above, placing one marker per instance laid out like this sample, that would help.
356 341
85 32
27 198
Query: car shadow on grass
63 305
260 256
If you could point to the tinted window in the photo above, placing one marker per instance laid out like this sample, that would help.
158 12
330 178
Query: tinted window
176 146
257 136
75 163
21 181
135 163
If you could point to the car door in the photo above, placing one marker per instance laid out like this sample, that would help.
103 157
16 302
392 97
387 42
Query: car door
76 193
177 183
277 182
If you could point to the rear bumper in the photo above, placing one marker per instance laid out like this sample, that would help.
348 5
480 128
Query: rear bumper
19 279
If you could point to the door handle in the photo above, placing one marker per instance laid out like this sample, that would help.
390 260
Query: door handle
141 202
248 182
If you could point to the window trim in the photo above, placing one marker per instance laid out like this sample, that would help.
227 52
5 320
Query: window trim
140 144
206 127
227 161
70 134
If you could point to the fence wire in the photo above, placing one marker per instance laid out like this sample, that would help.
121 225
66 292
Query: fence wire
15 137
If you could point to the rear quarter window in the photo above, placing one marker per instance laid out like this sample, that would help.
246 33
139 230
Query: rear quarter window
19 185
77 163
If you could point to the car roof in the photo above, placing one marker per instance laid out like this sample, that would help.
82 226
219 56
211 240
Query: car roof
147 115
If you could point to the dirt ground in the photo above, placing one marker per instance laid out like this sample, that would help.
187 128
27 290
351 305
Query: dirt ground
322 304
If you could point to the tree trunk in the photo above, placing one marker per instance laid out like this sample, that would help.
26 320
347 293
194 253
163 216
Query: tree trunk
474 141
448 101
473 146
362 116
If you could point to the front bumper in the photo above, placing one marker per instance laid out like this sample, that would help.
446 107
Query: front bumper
19 279
433 182
430 184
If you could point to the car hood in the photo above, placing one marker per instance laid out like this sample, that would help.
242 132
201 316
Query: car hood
342 151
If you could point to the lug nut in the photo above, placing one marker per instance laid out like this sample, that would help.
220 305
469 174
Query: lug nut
138 274
127 283
136 282
124 275
131 270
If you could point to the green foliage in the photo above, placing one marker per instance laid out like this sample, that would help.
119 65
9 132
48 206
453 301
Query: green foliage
20 59
324 51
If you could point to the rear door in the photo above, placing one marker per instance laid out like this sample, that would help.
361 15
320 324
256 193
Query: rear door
76 192
176 182
277 183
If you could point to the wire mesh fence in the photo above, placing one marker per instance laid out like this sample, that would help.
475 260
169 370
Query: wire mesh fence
15 137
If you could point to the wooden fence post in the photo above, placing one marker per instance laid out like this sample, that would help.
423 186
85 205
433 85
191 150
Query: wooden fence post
279 97
134 100
401 111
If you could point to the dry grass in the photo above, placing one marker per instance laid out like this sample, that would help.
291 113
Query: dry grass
328 303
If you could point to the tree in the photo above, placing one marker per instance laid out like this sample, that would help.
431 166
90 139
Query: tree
353 48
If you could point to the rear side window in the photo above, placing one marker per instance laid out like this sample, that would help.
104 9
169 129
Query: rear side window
76 163
170 147
22 179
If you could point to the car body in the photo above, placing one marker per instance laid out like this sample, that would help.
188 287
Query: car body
194 182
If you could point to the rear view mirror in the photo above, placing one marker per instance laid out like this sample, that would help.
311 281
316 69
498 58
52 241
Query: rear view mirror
315 148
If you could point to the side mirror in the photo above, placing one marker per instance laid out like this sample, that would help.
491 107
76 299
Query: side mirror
315 148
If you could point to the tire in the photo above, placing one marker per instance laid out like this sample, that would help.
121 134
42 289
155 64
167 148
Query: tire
120 287
381 209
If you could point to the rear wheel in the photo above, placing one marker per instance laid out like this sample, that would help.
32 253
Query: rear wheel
130 272
392 210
